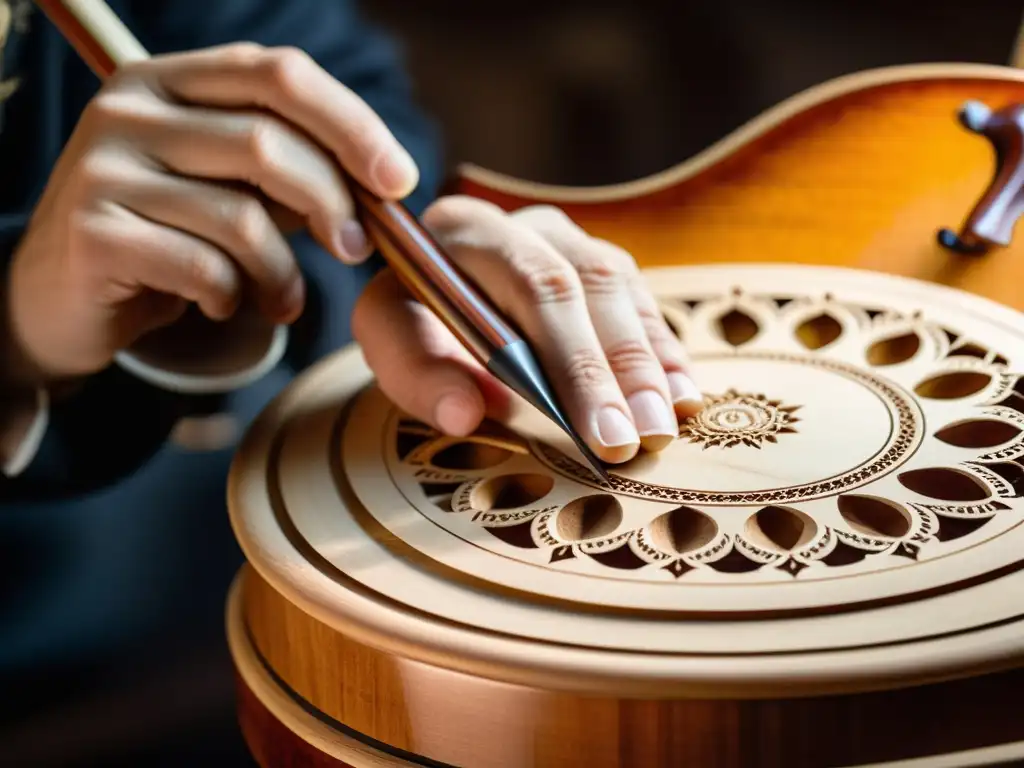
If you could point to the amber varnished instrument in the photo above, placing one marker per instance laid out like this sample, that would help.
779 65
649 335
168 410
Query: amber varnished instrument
105 44
824 569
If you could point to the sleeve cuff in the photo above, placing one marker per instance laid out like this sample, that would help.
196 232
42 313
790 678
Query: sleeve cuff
23 435
199 356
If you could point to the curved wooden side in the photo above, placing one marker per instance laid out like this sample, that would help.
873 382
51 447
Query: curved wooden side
859 172
462 720
277 729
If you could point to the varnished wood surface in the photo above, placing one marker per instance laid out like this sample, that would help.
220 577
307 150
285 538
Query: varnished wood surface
272 745
861 172
473 722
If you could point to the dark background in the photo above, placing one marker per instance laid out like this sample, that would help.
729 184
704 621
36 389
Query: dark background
581 92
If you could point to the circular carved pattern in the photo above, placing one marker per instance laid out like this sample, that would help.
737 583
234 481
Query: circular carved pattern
473 552
768 418
839 440
739 418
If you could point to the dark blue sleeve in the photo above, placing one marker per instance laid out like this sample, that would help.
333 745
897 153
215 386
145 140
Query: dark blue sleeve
84 448
358 54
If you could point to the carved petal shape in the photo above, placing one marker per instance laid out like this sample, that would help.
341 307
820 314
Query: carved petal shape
873 516
683 530
589 517
978 433
785 528
894 350
945 484
469 454
737 327
511 491
953 385
819 331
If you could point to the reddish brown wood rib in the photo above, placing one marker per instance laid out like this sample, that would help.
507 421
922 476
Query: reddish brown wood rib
272 745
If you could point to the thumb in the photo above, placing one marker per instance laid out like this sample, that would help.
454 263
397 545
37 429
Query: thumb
419 365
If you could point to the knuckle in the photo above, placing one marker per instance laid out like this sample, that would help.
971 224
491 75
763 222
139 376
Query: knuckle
207 274
104 112
288 69
456 212
243 54
88 242
546 280
265 142
250 224
543 214
97 172
587 368
629 356
600 276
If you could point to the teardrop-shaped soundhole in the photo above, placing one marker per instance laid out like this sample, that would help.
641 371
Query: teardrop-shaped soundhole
672 326
819 331
969 349
954 385
682 530
894 350
787 529
737 327
470 455
978 433
590 517
511 491
944 484
873 516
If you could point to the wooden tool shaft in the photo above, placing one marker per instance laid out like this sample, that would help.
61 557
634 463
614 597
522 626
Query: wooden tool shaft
417 260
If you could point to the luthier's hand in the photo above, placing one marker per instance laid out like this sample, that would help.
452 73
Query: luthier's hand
175 187
153 204
581 301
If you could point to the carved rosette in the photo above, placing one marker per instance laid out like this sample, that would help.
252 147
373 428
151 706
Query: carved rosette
836 439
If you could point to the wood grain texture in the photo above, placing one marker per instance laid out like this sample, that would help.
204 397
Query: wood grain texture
366 630
861 172
272 744
470 721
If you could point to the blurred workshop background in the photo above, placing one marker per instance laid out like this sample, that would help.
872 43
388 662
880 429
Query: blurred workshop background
601 91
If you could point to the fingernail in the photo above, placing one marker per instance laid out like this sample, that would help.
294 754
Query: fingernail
683 390
656 424
651 414
454 414
352 242
396 173
614 430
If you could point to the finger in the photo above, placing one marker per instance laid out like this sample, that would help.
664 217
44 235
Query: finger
290 83
255 148
533 284
419 365
668 348
128 251
606 273
233 221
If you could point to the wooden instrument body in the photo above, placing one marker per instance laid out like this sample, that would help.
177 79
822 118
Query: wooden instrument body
859 173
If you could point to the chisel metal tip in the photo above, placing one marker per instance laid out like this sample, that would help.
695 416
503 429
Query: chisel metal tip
515 365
